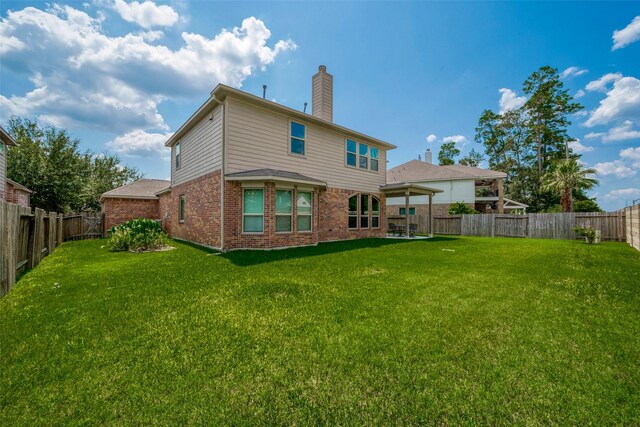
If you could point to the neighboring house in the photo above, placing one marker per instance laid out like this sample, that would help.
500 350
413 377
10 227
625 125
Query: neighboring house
10 191
135 200
250 173
480 189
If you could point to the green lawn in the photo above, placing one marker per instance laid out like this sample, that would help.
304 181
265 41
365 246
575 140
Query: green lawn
440 331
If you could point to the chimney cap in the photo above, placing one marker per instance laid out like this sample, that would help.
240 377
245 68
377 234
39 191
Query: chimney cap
322 68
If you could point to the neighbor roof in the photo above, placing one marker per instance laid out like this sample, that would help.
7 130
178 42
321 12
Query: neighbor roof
418 171
273 175
221 91
17 186
6 138
140 189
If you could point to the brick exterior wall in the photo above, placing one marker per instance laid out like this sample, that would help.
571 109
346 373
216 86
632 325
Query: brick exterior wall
118 211
201 211
334 216
17 196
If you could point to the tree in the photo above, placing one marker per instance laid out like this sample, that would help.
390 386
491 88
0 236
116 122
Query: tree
565 176
474 158
49 162
586 205
448 152
459 208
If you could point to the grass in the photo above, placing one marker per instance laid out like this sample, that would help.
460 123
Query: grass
440 331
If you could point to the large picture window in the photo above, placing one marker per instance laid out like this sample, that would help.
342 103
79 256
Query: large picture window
375 212
298 138
353 211
304 206
253 210
284 210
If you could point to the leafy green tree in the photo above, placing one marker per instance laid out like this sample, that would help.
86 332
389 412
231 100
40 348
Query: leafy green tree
63 179
459 208
474 158
586 205
448 152
565 176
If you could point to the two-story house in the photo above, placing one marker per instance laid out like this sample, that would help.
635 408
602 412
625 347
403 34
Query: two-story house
247 172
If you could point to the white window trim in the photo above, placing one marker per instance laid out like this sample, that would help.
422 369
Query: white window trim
310 214
243 214
357 153
368 215
371 215
178 156
357 215
276 214
306 137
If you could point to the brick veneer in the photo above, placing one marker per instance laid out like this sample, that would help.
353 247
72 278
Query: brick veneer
201 213
334 216
117 211
17 196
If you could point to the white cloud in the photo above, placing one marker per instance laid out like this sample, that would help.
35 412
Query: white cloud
431 138
579 94
572 72
460 140
601 84
631 155
616 168
621 103
623 132
627 194
84 77
627 35
510 101
578 147
138 143
146 14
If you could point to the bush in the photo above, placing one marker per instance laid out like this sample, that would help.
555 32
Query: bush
590 235
137 235
459 208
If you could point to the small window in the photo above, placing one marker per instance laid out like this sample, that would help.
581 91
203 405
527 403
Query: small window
253 211
181 209
1 148
364 211
305 209
403 211
375 212
178 155
353 211
374 159
363 161
352 154
284 210
298 132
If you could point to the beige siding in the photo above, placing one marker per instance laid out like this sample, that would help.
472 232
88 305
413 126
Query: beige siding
3 169
258 138
463 190
200 150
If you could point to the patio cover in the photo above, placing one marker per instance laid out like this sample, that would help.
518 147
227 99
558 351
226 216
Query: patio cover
408 189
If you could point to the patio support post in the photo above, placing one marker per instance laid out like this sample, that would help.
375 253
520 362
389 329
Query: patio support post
406 213
430 216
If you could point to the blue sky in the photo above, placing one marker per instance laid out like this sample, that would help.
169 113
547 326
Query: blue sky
121 75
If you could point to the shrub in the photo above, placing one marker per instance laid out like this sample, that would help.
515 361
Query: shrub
459 208
588 233
137 235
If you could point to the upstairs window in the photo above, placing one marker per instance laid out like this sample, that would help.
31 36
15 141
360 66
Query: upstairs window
374 159
178 155
363 159
298 134
284 210
352 147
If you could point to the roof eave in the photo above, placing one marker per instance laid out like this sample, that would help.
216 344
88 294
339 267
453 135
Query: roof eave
271 178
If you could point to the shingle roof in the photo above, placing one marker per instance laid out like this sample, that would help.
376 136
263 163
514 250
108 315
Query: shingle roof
274 174
18 186
416 170
141 189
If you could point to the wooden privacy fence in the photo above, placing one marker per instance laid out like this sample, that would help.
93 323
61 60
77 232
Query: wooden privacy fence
27 237
632 225
85 225
542 225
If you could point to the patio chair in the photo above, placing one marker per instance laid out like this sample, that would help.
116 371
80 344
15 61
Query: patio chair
413 229
393 229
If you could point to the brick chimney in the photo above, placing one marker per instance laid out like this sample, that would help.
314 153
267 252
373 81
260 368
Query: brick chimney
322 96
